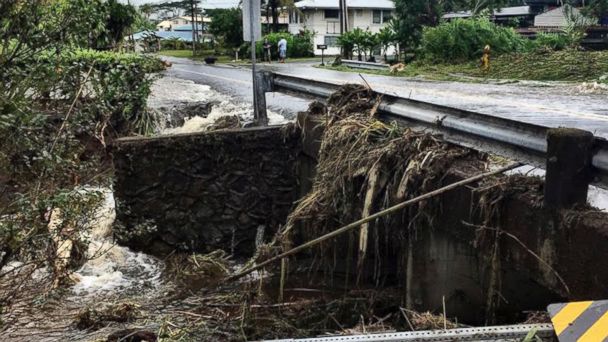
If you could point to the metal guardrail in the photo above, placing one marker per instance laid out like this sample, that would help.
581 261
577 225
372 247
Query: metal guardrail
496 333
364 65
514 139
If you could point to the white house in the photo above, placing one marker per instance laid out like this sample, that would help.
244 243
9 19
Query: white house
179 23
323 17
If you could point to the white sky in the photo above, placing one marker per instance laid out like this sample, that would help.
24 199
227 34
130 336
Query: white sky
203 3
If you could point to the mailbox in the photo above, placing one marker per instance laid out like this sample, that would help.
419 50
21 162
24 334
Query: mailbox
322 47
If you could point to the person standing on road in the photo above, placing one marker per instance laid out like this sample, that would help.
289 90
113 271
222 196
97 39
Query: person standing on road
282 50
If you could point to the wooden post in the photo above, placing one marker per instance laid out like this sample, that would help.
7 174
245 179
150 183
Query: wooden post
262 84
568 167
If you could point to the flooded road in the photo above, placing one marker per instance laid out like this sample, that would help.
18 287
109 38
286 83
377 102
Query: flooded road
551 104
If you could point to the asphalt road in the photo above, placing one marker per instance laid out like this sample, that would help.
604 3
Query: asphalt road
548 104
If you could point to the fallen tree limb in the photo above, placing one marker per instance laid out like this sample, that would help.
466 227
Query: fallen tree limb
379 214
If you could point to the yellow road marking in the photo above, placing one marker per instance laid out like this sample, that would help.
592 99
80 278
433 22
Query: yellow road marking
597 332
568 314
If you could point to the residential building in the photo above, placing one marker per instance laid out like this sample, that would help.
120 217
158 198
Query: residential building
558 18
323 18
181 23
518 16
266 18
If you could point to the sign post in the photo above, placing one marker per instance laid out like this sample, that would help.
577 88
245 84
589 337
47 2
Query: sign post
322 47
252 32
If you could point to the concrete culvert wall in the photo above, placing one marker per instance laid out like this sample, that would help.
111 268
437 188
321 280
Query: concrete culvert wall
205 191
490 250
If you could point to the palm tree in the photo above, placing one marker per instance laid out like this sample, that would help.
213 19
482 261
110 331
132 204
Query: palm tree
147 10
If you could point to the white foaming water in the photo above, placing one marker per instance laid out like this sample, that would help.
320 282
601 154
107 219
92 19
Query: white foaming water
112 267
592 88
170 91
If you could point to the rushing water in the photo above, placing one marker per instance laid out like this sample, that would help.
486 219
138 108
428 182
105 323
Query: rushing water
173 92
112 267
116 268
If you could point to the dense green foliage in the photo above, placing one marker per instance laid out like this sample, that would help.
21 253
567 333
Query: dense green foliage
593 8
464 39
551 41
118 82
227 26
357 40
298 45
365 42
60 104
412 15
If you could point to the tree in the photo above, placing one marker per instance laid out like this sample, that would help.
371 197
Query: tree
595 8
120 19
412 15
386 38
273 7
227 25
146 10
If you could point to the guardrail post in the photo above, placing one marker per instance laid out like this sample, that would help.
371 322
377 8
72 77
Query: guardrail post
263 85
569 169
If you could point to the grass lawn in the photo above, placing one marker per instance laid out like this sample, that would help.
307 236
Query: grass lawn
567 65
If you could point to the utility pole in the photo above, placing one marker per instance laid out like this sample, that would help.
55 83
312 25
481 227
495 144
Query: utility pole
251 33
340 14
192 9
343 9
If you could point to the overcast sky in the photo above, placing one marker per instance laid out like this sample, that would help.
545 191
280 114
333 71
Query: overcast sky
204 3
139 2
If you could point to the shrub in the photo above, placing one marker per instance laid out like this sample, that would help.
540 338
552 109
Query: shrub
360 41
551 41
119 83
464 39
298 45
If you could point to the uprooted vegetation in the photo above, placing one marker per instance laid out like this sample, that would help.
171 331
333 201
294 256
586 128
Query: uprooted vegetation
366 165
543 65
361 282
364 281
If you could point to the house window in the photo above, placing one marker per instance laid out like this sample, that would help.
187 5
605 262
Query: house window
381 16
331 41
332 14
176 21
294 17
333 27
386 16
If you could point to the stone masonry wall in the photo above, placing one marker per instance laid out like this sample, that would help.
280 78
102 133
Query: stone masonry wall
204 191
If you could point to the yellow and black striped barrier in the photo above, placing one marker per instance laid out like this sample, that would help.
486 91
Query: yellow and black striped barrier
580 321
